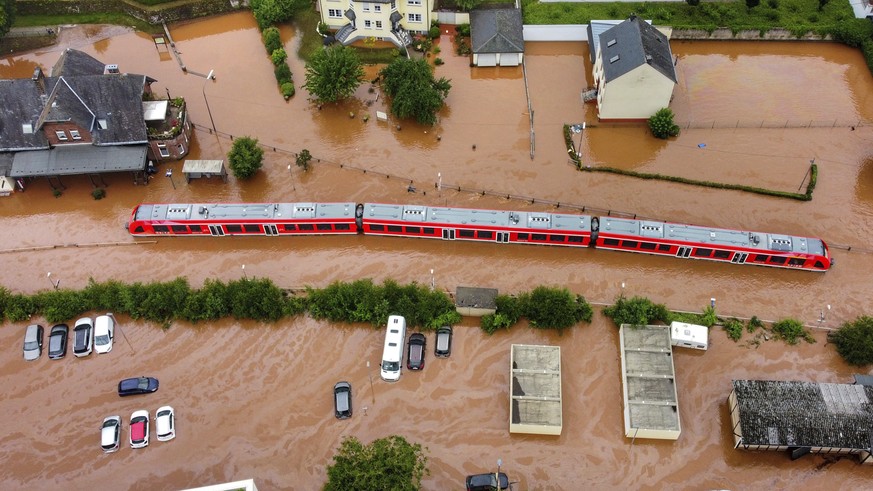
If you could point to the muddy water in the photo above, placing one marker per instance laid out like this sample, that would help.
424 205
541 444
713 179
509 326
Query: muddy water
254 401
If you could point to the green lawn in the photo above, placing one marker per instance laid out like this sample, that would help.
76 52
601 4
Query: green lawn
93 18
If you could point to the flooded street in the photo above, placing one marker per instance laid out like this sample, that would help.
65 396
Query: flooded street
253 401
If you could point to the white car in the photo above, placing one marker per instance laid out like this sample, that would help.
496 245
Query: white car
110 434
83 337
104 333
165 423
139 429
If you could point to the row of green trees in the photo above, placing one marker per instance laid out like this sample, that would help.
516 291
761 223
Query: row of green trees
544 308
279 57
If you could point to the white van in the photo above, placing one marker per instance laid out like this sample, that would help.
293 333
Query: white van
392 354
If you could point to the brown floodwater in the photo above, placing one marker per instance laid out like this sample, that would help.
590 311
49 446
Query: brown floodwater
254 400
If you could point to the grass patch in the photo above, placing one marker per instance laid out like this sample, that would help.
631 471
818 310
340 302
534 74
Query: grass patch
310 42
89 18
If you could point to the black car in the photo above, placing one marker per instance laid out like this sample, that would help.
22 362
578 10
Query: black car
487 482
138 385
415 351
342 400
443 346
58 341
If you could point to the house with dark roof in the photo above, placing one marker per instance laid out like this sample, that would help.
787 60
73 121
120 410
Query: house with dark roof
496 37
634 72
86 118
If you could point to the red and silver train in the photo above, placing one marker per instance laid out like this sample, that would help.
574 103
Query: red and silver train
522 227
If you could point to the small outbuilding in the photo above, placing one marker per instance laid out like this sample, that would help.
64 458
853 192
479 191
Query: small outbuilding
687 335
535 398
496 37
475 302
195 169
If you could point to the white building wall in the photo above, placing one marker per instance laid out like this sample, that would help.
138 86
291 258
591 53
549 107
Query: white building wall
637 94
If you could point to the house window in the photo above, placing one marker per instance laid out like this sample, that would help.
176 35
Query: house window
368 24
366 7
335 13
378 24
613 59
75 135
102 124
62 135
413 2
181 149
377 8
611 42
414 17
27 128
162 147
393 5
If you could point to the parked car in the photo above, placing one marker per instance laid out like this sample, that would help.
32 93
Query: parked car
110 434
165 424
342 400
58 341
415 351
443 346
104 333
487 482
137 385
139 429
83 337
33 342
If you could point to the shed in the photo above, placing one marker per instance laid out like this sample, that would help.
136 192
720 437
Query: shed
535 398
195 169
475 302
497 37
689 335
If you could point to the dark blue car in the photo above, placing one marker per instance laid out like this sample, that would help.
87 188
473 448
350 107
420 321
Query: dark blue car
138 385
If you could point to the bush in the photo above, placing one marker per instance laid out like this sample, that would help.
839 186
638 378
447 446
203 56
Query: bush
463 29
853 32
754 323
492 322
434 32
792 331
662 125
854 341
734 329
245 157
287 89
637 311
438 61
59 305
283 74
556 308
272 40
98 193
278 57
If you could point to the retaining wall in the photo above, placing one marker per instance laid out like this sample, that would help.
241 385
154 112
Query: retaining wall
167 12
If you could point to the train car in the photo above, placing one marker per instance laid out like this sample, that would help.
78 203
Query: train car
713 244
244 219
476 225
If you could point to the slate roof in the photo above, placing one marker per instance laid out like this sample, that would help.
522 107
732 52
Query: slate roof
804 414
635 42
74 62
20 104
496 31
65 160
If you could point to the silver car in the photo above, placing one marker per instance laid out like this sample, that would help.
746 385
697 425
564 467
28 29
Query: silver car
33 342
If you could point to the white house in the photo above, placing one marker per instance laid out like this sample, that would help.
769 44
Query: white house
384 20
633 72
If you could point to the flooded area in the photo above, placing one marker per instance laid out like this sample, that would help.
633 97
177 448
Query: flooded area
253 401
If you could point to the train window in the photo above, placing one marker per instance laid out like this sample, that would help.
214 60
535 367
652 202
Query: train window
701 252
664 247
233 229
395 228
647 246
761 258
538 236
574 238
522 236
252 228
179 229
722 254
342 226
557 238
819 265
138 229
323 226
465 233
777 259
797 261
413 230
161 229
485 234
429 231
290 227
630 244
377 228
305 227
610 242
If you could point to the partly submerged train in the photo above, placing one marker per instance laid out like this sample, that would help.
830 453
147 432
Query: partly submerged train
517 227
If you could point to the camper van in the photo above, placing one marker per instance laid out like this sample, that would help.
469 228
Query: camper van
689 335
392 354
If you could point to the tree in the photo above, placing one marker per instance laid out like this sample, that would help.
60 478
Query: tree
854 341
693 3
413 90
334 73
246 157
7 15
272 39
467 5
752 3
387 463
303 159
662 124
269 12
556 308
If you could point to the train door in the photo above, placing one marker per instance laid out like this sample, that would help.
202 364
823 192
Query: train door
271 229
683 252
739 257
448 234
503 237
216 230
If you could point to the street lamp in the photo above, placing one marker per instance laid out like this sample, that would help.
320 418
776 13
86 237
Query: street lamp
209 77
499 463
432 281
169 175
244 272
372 392
57 283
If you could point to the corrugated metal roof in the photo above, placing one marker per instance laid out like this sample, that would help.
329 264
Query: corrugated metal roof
65 160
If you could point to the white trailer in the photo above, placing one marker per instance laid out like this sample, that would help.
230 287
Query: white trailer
689 335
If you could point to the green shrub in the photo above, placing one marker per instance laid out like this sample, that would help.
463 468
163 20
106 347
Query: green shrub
434 32
463 29
734 329
661 124
555 308
492 322
278 57
438 61
272 39
854 341
637 311
283 74
19 308
98 193
60 305
853 32
754 323
257 299
287 89
436 50
211 302
792 331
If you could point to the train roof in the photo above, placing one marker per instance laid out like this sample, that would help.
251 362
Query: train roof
479 218
244 211
708 235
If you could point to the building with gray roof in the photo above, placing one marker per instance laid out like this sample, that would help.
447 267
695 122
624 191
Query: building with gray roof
496 37
802 417
633 71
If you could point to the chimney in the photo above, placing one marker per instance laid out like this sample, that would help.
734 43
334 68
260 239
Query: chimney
110 69
39 79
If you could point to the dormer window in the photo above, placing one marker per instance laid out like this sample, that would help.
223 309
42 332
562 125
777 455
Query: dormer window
62 135
75 135
102 124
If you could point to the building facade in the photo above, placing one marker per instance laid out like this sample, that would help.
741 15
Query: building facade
383 20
